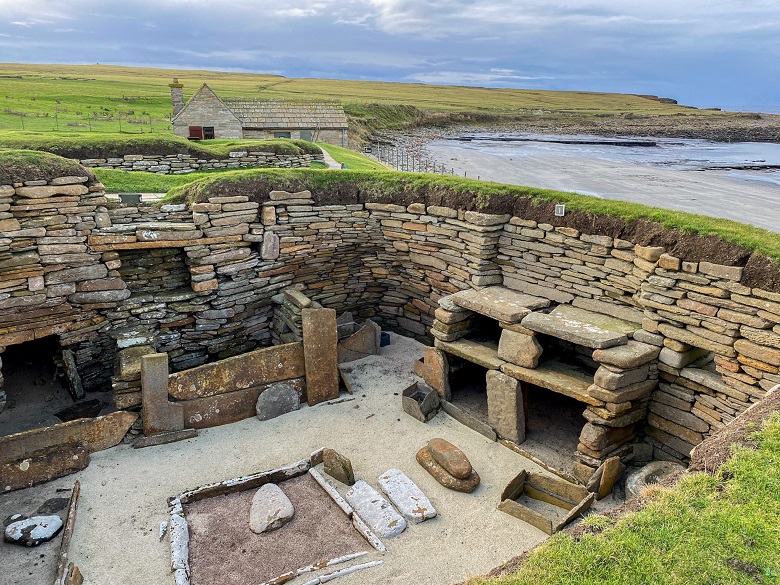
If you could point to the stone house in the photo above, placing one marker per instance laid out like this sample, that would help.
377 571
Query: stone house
207 116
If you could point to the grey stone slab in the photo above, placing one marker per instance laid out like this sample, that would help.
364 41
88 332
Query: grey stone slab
410 500
374 510
499 303
577 326
277 399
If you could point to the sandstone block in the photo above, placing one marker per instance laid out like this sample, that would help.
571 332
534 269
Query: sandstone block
320 340
631 355
610 380
506 413
338 467
452 459
517 348
441 475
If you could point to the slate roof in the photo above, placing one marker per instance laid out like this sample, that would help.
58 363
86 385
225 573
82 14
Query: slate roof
286 114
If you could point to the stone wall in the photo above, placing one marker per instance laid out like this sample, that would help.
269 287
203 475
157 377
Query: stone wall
336 136
70 267
180 164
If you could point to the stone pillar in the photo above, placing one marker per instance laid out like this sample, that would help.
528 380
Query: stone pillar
506 407
320 339
177 95
436 371
159 415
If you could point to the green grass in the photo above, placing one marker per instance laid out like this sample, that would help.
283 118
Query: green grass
494 197
706 530
354 160
102 98
141 182
27 165
97 145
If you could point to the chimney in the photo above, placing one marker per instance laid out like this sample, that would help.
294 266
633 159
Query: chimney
177 95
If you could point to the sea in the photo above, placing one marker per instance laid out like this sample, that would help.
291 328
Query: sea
751 161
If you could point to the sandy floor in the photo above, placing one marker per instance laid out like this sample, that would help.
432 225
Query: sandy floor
124 491
707 193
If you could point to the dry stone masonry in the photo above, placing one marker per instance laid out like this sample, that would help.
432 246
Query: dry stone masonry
674 349
181 164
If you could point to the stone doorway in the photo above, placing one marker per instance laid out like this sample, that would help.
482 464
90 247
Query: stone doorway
35 386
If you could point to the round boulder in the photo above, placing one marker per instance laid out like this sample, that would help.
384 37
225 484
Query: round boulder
271 509
276 400
648 475
33 531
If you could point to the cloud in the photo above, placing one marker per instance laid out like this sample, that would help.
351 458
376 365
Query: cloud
701 52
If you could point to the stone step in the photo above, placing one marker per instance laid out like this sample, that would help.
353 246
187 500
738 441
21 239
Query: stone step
557 377
581 327
374 510
482 353
498 302
410 500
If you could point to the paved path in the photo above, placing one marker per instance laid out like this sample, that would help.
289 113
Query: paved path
704 192
331 162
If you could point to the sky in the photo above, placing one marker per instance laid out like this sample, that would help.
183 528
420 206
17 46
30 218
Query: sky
714 53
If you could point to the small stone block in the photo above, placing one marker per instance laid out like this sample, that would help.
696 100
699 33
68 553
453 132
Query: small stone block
338 467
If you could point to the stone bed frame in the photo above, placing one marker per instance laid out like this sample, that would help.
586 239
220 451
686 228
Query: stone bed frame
178 531
62 274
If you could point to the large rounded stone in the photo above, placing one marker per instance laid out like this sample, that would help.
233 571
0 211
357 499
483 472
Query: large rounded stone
430 465
276 400
649 474
271 509
452 459
33 531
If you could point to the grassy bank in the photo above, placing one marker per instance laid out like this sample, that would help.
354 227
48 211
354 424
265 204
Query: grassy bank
706 530
105 145
395 187
354 160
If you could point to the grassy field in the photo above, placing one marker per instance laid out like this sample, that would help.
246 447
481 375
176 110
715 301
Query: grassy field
353 160
707 530
101 98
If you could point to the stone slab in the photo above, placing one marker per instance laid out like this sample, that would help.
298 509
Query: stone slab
33 531
374 510
159 415
558 377
506 413
262 366
42 466
277 399
409 499
363 343
631 355
320 341
470 421
338 467
483 354
165 438
579 326
499 303
94 434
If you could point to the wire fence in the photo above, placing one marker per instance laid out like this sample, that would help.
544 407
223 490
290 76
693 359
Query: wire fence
69 120
403 160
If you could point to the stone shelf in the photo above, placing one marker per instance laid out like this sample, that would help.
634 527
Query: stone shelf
482 353
582 327
557 377
499 303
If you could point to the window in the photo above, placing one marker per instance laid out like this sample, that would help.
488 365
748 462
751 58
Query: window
208 132
282 135
306 135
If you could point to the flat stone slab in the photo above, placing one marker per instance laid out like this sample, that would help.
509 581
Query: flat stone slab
499 303
410 500
271 509
581 327
374 510
33 531
558 377
482 353
631 355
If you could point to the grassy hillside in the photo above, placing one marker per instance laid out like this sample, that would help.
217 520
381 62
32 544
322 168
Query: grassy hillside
100 98
706 530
